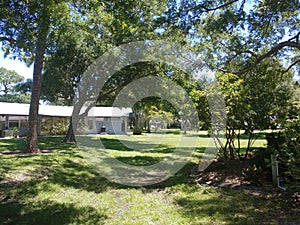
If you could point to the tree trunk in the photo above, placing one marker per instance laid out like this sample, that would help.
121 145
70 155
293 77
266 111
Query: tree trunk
148 126
5 90
137 130
249 143
184 126
231 144
75 118
239 144
70 136
32 131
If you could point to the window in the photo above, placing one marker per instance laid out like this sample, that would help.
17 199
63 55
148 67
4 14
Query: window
13 123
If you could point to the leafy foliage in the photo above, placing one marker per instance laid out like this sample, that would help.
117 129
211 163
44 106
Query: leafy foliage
8 79
16 98
286 144
54 126
13 87
253 101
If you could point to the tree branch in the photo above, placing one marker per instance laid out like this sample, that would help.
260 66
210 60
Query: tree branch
11 40
219 6
290 66
226 71
272 51
239 51
295 37
277 48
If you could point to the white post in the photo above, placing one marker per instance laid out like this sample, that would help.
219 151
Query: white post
94 125
6 122
274 166
125 122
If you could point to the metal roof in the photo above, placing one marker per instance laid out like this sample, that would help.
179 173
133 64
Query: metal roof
19 109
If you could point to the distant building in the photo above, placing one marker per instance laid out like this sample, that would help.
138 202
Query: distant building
110 120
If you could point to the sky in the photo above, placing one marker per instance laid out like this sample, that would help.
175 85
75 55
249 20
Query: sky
16 65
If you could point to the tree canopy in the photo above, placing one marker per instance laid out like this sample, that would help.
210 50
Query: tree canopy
8 79
236 35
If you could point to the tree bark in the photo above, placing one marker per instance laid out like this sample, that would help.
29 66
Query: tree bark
75 118
70 136
40 48
148 126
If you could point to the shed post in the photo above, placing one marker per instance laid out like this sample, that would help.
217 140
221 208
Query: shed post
6 122
274 166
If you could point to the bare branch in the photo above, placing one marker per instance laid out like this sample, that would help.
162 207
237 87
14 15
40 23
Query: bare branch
242 5
11 40
219 6
295 37
290 66
277 48
271 52
226 71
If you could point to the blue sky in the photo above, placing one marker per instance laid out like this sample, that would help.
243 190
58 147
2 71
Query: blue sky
16 65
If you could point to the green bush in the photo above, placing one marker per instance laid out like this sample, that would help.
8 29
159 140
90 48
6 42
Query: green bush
55 126
285 146
137 131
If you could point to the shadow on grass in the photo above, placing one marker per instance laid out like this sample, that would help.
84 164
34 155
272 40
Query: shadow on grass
228 206
16 208
139 160
115 144
49 213
55 143
164 149
16 144
48 143
67 167
181 177
80 176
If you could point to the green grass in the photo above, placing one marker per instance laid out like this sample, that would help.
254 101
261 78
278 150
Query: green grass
63 188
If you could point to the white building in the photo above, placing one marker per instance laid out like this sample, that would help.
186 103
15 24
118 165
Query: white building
110 120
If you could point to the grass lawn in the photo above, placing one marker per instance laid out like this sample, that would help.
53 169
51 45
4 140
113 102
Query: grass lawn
61 187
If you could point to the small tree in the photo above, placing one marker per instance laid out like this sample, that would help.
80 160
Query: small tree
251 101
9 79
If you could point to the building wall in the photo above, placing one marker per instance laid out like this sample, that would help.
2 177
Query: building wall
11 122
115 125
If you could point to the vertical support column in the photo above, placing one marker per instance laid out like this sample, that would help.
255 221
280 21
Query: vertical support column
19 124
6 122
125 124
274 166
94 125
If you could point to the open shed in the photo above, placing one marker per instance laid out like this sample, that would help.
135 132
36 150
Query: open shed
111 120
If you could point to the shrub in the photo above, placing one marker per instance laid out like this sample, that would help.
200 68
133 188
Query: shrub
137 131
285 146
54 126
